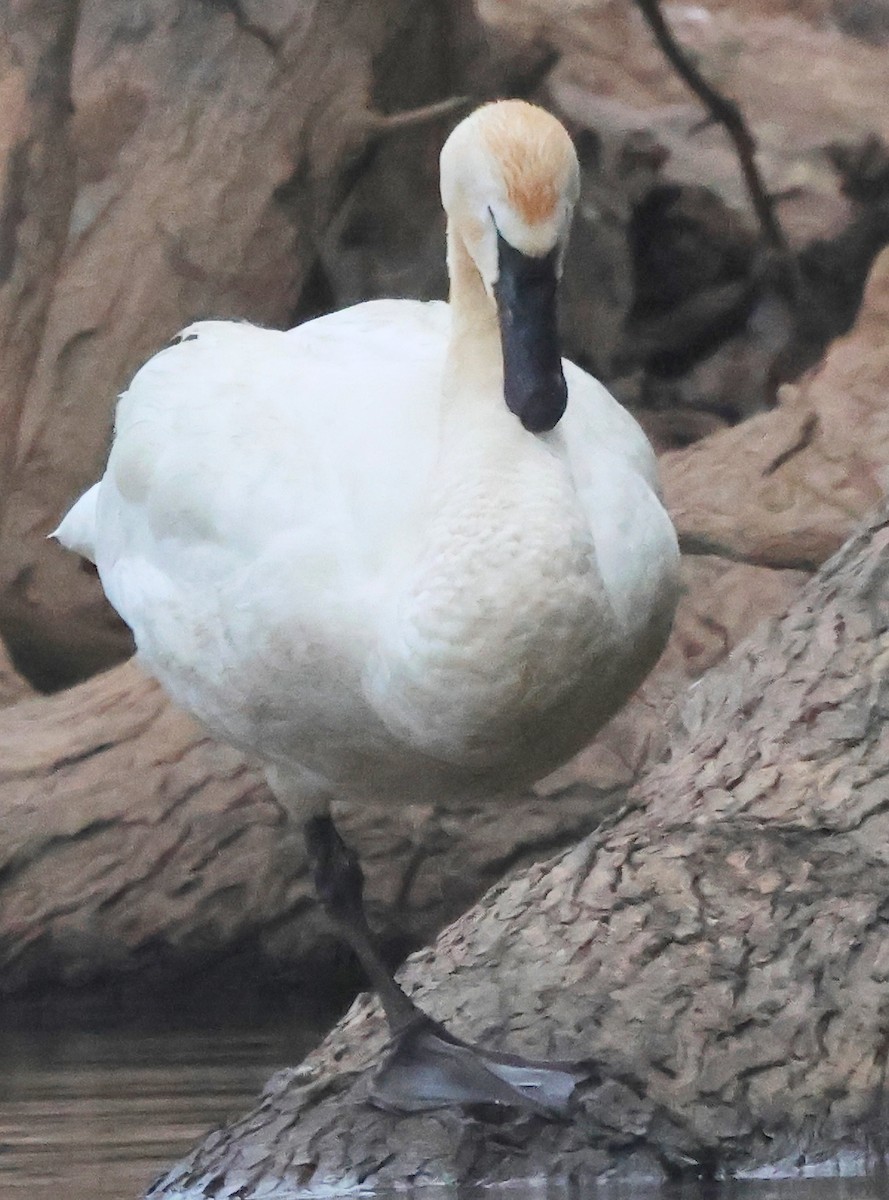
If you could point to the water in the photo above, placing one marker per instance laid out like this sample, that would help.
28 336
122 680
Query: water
98 1115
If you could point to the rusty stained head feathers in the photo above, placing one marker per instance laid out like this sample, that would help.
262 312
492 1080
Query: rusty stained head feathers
534 153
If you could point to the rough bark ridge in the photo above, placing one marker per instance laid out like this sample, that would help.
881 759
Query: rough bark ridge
720 949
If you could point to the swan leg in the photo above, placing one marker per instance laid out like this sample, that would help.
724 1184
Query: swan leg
339 885
426 1066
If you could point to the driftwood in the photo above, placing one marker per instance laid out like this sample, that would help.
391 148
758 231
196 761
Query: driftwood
720 950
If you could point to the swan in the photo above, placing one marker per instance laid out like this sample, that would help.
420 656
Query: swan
403 551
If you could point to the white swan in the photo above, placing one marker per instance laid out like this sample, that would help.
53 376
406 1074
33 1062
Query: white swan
381 554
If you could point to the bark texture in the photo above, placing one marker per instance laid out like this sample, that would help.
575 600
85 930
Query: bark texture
720 949
36 188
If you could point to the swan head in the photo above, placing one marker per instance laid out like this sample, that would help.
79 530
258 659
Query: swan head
509 183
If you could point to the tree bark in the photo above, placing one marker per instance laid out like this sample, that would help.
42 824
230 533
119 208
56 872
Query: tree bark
37 188
720 950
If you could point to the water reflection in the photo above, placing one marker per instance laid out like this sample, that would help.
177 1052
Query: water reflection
96 1116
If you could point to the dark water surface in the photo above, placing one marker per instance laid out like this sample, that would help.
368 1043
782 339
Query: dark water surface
98 1115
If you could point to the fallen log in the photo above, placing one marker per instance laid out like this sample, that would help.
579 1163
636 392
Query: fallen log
719 949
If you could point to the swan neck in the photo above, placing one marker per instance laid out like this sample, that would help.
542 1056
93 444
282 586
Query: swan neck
473 311
473 379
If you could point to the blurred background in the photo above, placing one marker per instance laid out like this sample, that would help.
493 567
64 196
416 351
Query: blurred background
271 160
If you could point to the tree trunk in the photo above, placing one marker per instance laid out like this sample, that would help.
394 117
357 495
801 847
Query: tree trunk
37 186
720 950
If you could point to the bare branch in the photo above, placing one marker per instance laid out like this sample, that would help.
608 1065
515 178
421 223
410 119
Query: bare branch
412 117
729 115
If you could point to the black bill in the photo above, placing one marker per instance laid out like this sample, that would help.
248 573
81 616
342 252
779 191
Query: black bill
533 384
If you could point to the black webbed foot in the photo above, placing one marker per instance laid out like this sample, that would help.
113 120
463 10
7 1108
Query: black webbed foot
427 1067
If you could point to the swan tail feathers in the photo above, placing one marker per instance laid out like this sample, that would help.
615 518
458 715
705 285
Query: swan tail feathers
77 530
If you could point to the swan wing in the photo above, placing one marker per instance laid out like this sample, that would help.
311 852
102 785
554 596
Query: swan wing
616 480
242 455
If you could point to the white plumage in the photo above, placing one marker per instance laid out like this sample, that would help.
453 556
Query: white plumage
369 552
335 571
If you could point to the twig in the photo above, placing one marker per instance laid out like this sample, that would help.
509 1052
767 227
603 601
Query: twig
523 85
375 127
381 123
702 544
727 112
